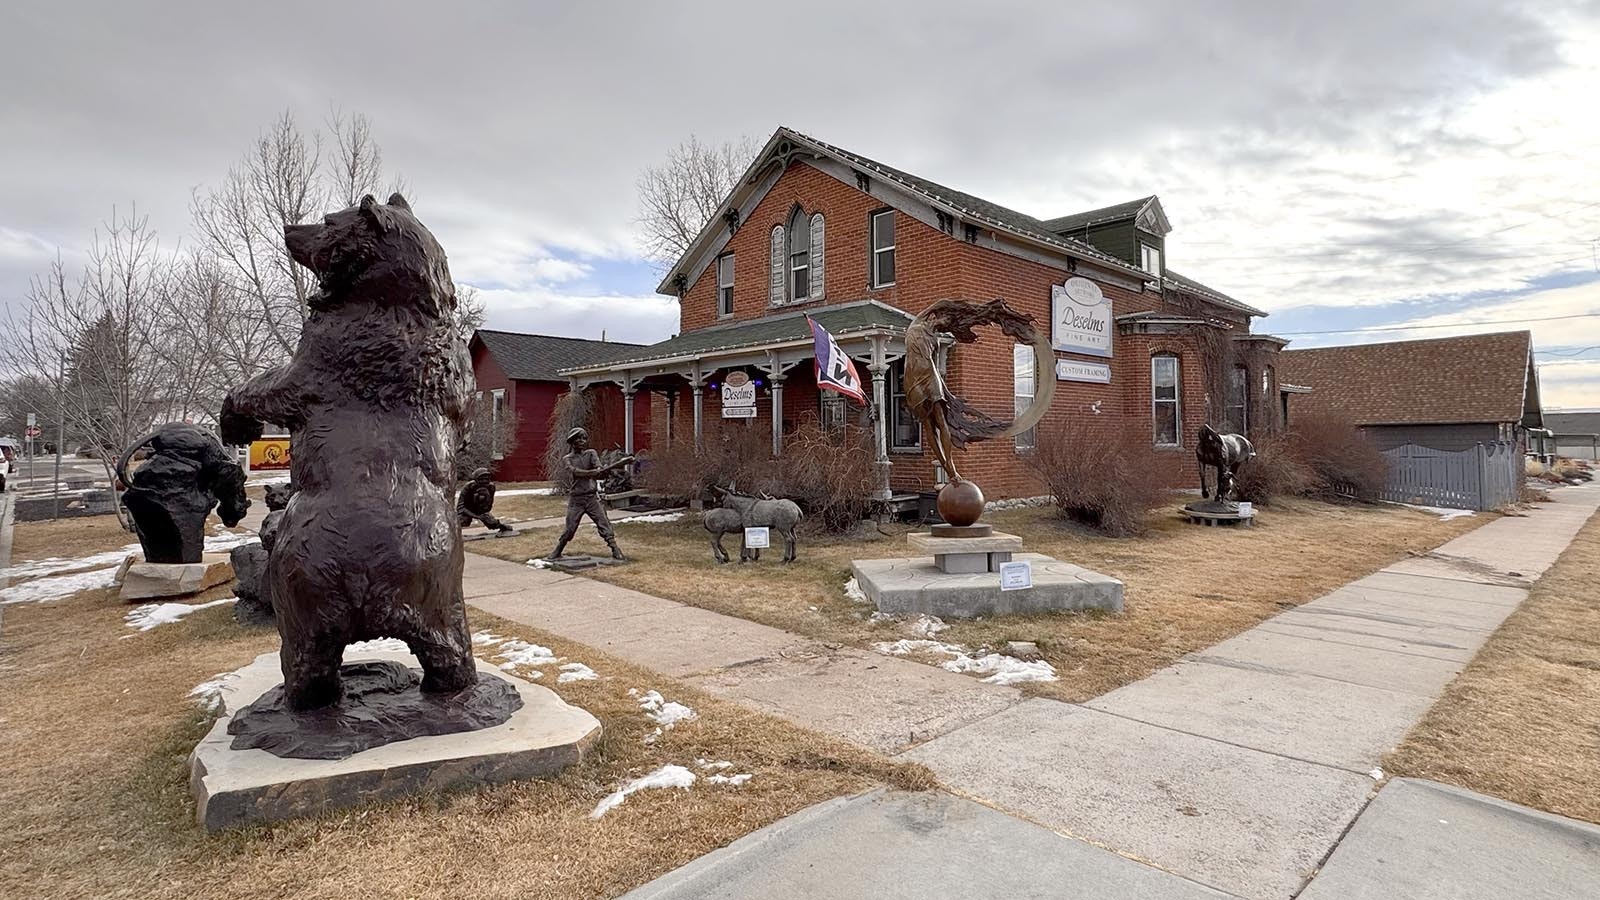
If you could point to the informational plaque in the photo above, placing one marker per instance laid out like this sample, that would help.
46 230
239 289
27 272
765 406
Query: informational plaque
757 538
1016 576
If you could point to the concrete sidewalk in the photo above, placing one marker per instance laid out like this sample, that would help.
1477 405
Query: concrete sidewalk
1241 766
878 701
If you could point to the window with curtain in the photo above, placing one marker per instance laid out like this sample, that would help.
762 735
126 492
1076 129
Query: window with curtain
1238 405
905 432
799 231
725 285
1164 401
1023 389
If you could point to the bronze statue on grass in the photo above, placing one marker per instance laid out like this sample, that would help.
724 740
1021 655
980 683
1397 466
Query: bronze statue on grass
169 497
375 400
583 499
951 421
476 501
1225 453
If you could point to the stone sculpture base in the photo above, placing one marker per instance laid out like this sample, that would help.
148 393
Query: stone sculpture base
1217 512
239 787
578 563
146 580
916 585
383 703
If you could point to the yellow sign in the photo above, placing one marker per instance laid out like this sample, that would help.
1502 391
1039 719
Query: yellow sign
269 453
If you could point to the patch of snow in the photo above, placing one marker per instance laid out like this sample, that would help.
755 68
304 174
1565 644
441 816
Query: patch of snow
651 519
906 646
927 626
1001 669
538 563
151 615
576 672
521 653
273 479
486 639
853 592
1444 513
228 540
57 586
665 777
526 492
381 645
56 564
663 712
1376 774
730 780
708 764
208 694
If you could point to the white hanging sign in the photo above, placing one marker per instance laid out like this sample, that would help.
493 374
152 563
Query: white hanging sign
1016 576
757 538
738 390
1081 318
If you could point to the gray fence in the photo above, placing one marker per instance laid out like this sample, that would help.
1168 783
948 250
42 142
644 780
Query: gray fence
1487 476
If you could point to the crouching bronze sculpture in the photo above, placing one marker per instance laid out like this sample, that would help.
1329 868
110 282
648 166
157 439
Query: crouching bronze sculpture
169 497
375 400
476 501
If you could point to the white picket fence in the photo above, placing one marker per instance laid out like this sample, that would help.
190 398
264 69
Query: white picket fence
1487 476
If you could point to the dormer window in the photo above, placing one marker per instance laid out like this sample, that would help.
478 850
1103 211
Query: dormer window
1150 259
797 258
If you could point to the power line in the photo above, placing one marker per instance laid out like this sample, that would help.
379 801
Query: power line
1590 315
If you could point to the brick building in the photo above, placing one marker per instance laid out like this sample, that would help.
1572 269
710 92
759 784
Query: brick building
812 229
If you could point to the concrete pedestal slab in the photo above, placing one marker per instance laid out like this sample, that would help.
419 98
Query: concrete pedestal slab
240 787
915 585
146 580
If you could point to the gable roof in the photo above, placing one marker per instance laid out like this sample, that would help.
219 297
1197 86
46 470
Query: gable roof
1475 378
841 321
960 204
1573 422
1113 213
539 357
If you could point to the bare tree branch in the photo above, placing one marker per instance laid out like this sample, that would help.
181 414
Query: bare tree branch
678 197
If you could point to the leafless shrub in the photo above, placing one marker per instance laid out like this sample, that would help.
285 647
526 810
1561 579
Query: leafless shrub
1276 471
1100 480
1346 463
574 409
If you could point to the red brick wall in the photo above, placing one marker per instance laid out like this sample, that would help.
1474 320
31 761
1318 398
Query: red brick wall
931 265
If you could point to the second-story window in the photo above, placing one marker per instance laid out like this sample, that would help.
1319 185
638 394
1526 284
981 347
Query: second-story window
799 256
1150 260
725 285
883 248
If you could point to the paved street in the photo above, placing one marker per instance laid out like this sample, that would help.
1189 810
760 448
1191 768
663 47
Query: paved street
1237 769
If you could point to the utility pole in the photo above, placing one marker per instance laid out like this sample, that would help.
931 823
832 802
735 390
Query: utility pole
27 435
61 434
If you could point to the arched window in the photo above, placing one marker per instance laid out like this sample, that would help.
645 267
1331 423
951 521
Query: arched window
1238 407
799 256
1165 407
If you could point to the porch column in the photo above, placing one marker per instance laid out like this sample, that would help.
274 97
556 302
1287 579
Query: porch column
627 423
672 412
699 410
777 415
880 422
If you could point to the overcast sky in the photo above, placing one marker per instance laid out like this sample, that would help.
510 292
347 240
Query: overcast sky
1341 165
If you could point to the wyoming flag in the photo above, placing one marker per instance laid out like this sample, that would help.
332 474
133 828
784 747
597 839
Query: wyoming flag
835 370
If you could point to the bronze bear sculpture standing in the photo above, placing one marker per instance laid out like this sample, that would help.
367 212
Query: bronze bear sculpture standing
375 399
169 497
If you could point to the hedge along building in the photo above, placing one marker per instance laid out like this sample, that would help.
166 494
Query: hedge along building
812 229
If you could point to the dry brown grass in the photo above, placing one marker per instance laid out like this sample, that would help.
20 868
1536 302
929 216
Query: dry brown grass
527 507
95 731
1188 587
1522 721
80 536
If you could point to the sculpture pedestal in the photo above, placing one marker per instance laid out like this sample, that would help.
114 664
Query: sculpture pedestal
239 787
960 578
147 580
1215 512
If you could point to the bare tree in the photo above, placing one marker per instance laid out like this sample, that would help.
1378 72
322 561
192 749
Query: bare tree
101 338
285 179
679 196
469 311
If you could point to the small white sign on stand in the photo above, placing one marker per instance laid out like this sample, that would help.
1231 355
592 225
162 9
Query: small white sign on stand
757 538
1247 509
1016 576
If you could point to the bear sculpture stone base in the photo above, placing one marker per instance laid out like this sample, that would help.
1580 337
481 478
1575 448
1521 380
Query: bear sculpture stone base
235 787
382 704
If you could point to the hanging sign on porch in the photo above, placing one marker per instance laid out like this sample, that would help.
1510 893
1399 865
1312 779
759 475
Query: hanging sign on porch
1081 317
836 371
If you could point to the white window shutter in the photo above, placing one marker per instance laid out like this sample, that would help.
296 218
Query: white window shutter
775 279
817 289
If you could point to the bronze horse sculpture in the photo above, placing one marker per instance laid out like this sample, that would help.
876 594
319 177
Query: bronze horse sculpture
1225 453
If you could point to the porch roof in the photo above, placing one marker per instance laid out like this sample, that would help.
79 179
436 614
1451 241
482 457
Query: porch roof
842 321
